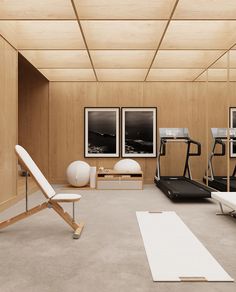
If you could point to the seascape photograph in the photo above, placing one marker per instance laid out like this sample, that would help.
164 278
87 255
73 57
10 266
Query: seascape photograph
101 132
139 132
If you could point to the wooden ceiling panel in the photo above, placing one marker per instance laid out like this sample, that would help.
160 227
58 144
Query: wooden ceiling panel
232 75
200 35
44 34
185 59
8 31
222 62
214 75
123 34
121 74
202 9
124 9
173 74
58 58
122 59
31 9
68 74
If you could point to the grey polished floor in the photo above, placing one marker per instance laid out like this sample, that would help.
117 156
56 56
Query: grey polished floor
39 254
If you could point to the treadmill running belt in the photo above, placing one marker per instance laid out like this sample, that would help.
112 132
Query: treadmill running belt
179 187
184 187
220 183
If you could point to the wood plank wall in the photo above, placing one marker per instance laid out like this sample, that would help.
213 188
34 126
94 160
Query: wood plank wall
8 122
33 113
180 104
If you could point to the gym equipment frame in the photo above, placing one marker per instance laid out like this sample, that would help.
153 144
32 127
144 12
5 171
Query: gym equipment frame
53 199
220 137
179 187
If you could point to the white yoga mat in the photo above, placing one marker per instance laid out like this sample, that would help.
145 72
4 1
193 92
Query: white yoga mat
174 253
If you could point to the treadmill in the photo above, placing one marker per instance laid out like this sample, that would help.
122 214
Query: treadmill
179 187
220 136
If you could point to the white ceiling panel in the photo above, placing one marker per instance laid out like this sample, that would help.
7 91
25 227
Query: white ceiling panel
123 34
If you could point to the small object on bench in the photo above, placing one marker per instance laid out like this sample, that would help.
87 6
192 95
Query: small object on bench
92 179
53 199
227 199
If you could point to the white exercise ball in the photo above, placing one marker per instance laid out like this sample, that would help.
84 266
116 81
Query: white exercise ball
128 165
78 173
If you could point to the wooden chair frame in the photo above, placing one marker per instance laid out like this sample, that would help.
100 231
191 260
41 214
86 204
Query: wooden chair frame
50 203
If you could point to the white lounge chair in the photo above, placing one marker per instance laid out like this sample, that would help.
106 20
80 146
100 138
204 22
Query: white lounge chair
226 199
52 198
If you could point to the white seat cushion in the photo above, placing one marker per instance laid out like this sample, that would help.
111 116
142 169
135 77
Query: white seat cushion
227 199
66 197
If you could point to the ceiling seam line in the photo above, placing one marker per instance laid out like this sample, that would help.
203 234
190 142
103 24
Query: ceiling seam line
83 36
214 62
162 37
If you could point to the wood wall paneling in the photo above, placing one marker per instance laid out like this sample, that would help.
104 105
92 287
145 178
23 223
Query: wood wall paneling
34 113
66 113
180 104
8 121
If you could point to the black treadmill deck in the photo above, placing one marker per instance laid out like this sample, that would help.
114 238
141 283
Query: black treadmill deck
220 183
179 187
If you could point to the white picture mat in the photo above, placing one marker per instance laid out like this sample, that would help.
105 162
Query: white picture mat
117 111
173 251
154 111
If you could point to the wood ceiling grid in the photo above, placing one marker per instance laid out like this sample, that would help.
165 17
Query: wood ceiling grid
141 60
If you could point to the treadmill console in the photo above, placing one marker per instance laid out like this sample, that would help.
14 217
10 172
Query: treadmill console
174 133
222 133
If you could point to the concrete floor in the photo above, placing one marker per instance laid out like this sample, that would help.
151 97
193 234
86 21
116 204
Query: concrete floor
39 254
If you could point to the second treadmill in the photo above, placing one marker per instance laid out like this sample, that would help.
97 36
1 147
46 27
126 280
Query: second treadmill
220 136
179 187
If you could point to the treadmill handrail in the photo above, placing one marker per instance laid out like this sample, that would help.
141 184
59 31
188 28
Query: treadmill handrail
218 141
199 148
162 152
222 144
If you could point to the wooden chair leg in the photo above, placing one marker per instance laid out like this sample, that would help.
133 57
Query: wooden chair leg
68 219
23 215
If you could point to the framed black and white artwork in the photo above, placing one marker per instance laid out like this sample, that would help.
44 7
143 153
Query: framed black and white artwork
232 123
101 132
139 127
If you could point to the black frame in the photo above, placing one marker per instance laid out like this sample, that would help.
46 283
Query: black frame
104 155
231 110
154 155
